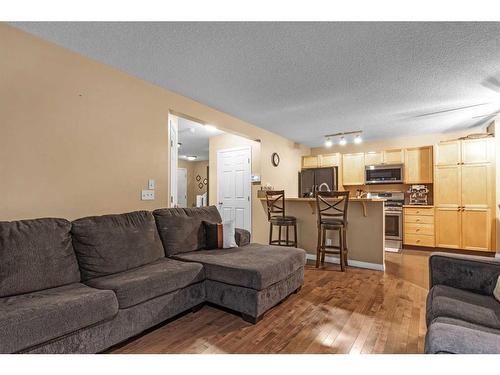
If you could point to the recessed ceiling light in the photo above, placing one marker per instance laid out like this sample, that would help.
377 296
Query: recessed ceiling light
191 158
210 127
328 142
358 139
342 141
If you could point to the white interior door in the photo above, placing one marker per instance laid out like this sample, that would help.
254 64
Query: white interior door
181 187
234 186
174 155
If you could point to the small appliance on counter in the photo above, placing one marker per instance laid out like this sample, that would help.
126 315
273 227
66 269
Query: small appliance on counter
418 194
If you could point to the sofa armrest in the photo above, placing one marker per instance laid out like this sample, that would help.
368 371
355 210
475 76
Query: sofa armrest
242 237
468 272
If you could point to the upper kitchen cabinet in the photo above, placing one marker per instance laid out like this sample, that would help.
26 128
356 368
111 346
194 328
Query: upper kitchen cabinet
418 165
310 162
393 156
353 169
447 153
384 157
466 151
476 151
329 160
321 161
374 158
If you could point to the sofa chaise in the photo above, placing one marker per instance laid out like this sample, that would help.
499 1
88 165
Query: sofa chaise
462 315
86 285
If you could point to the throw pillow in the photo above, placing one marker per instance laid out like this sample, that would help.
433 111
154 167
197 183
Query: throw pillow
496 292
219 235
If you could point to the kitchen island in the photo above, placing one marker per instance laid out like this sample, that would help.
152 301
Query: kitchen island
365 231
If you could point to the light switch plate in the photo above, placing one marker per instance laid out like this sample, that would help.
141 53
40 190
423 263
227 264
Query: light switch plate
151 184
148 195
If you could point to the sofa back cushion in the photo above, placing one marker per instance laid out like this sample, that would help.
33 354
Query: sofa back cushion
181 229
109 244
35 255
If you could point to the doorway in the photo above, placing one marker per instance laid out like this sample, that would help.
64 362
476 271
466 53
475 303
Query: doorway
189 164
234 186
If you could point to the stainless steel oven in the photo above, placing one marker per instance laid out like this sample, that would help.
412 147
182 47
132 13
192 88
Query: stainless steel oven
393 225
393 211
384 174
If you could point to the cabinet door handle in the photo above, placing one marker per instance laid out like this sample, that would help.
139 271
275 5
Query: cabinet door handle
418 230
417 220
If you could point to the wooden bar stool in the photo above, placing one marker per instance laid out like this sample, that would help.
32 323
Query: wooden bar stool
331 208
275 200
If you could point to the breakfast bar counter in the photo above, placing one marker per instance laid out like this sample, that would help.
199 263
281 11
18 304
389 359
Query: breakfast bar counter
365 231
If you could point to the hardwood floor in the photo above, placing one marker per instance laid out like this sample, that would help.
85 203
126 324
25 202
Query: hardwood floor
359 311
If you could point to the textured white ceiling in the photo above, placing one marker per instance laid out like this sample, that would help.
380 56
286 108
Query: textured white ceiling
305 80
194 138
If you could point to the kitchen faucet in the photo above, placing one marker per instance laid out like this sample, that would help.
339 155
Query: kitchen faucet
321 186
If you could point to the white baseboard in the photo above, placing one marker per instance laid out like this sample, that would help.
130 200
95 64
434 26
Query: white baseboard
350 262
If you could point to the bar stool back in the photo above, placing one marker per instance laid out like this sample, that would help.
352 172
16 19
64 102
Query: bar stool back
331 209
275 202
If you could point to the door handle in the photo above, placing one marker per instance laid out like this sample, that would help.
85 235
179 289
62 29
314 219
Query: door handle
220 203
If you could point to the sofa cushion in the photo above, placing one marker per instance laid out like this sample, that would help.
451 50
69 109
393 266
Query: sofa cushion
254 266
181 229
30 319
448 335
35 255
109 244
152 280
445 301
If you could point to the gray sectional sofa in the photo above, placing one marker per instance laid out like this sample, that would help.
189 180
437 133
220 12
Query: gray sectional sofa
86 285
463 317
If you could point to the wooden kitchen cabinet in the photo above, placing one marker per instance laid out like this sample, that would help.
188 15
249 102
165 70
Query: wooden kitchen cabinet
329 160
476 151
447 153
475 232
418 226
373 158
393 156
320 161
464 194
447 186
353 169
384 157
448 227
476 185
418 165
310 162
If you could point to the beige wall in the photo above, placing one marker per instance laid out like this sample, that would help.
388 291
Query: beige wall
81 138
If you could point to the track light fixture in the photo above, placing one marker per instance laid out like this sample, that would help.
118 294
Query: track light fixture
343 140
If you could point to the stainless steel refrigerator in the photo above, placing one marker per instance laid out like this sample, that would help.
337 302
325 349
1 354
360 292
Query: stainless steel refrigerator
312 180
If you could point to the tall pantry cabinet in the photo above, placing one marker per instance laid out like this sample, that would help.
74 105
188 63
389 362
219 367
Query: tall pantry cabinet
464 194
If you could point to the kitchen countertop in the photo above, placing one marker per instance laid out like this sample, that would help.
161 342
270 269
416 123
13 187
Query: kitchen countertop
314 199
418 205
312 202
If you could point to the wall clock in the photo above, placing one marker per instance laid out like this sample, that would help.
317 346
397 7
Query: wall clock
275 159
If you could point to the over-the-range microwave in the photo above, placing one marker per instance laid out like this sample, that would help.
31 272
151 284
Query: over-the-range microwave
384 174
